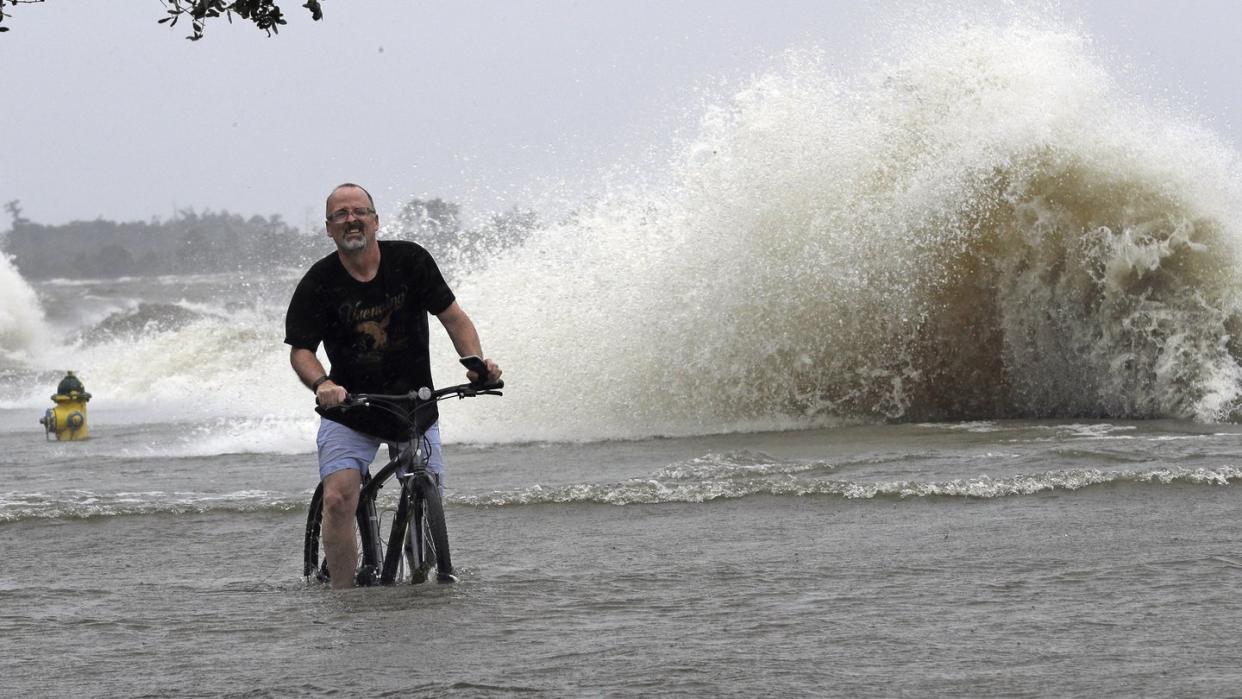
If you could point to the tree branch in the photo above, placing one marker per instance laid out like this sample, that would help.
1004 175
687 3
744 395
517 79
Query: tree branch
263 14
4 14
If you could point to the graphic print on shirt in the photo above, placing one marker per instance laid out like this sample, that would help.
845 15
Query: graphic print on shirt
374 334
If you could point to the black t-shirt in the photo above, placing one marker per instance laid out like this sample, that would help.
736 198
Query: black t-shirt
375 333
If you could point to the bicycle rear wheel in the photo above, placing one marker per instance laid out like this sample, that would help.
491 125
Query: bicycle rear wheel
311 550
366 539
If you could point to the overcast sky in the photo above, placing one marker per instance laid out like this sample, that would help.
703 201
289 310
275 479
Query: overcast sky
490 104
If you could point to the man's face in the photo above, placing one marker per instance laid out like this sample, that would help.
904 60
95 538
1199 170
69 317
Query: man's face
351 232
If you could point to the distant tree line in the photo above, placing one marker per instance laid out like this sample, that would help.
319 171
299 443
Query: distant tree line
193 243
190 242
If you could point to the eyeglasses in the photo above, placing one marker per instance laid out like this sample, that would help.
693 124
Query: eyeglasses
342 215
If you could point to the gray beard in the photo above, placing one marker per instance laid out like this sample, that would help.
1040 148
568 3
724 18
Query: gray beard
352 245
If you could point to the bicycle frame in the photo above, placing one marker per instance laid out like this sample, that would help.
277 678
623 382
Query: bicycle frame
419 499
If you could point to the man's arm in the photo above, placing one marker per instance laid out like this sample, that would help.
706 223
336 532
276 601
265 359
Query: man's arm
309 369
465 338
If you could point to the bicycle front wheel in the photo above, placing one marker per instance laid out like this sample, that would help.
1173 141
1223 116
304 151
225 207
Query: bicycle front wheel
429 533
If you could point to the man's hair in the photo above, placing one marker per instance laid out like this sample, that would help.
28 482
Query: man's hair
349 184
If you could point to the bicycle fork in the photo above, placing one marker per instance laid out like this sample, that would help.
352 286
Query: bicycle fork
418 550
415 548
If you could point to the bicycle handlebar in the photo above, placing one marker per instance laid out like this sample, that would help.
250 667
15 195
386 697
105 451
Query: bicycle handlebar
426 395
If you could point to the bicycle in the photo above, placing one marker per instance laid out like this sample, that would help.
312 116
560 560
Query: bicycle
419 535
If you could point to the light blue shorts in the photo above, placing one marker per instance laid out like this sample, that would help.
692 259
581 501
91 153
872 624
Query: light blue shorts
341 447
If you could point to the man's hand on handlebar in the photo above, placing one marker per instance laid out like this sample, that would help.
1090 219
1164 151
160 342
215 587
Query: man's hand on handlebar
329 395
481 371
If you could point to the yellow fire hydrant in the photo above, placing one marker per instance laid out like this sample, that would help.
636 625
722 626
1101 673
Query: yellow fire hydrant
68 419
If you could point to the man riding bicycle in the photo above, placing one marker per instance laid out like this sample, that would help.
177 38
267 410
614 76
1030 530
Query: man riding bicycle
368 304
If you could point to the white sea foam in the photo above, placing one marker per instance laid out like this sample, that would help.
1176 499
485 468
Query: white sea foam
982 226
81 504
22 328
780 481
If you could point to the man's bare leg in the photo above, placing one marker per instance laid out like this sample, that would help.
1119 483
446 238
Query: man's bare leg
340 502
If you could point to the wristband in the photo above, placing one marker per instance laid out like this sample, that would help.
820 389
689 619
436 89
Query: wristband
318 382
